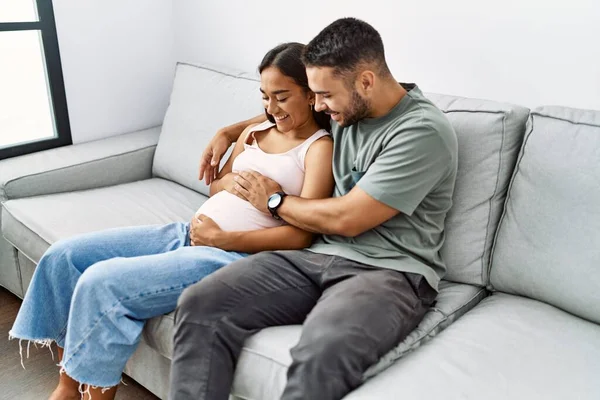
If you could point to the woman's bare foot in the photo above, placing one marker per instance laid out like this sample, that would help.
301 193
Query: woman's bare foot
96 394
65 393
68 388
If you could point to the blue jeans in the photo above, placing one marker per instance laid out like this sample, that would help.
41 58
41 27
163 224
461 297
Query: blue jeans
93 293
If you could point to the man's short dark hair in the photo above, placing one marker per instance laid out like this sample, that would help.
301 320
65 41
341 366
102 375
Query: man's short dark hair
344 45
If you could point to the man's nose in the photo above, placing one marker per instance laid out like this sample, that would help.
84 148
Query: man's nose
319 105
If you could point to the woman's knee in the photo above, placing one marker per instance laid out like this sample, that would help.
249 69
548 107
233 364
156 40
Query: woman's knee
56 258
100 277
63 254
57 249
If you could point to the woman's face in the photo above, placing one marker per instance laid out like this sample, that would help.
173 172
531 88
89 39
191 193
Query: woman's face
285 100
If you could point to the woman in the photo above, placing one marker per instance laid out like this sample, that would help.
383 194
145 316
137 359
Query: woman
92 294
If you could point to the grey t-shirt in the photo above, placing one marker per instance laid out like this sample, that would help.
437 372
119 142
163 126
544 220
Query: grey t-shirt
406 159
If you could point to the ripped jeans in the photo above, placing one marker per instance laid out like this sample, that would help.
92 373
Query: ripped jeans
92 294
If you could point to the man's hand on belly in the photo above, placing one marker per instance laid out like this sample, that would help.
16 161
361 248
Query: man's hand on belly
256 188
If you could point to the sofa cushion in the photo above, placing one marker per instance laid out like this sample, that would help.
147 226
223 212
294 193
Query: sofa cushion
489 138
32 224
548 244
507 347
262 366
105 162
202 101
109 161
150 369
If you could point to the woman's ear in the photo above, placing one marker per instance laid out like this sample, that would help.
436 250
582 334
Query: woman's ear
311 101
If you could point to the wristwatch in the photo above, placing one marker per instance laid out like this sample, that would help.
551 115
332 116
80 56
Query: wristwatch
274 202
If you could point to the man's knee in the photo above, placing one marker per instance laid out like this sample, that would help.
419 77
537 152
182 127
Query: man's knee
193 296
220 293
203 301
218 288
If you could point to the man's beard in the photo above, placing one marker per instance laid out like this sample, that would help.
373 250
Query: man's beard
359 110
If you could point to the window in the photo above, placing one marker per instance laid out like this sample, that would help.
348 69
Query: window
33 106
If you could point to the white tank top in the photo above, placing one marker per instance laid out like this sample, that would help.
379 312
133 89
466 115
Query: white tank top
234 214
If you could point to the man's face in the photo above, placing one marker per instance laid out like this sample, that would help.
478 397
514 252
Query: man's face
336 97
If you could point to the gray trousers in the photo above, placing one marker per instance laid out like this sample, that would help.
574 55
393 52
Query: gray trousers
351 313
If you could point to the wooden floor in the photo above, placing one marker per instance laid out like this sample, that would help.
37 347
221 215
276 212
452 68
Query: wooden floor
41 374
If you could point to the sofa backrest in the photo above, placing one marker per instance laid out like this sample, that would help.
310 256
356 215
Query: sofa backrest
489 136
202 101
548 242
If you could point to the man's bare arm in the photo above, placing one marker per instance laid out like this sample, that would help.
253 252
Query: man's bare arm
233 132
349 215
217 147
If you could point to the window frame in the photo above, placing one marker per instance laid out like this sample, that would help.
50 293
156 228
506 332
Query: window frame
47 27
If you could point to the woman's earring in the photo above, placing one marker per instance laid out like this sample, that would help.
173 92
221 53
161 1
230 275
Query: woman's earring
312 107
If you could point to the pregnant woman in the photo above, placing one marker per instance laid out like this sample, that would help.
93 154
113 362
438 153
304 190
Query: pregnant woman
92 294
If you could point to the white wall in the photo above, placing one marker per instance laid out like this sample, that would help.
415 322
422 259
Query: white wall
117 64
529 52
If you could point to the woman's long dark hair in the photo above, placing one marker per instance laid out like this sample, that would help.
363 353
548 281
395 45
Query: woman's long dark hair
287 58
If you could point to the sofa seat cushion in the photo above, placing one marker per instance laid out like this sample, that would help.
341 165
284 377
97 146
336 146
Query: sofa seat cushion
507 347
262 366
32 224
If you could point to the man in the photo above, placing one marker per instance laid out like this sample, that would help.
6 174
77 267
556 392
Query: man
368 282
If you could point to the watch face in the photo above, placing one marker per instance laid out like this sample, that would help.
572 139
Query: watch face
274 200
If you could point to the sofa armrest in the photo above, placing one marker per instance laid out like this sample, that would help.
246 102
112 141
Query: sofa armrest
105 162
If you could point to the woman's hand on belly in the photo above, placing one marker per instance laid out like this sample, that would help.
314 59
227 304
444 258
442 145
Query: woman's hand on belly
205 232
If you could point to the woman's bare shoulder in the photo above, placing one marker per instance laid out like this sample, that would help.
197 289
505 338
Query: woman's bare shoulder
322 147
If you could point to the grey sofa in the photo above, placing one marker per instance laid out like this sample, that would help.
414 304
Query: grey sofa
518 312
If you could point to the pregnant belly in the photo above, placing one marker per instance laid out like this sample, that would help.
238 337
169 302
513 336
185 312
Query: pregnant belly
234 214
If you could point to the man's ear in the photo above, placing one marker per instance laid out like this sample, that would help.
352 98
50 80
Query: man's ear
366 81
